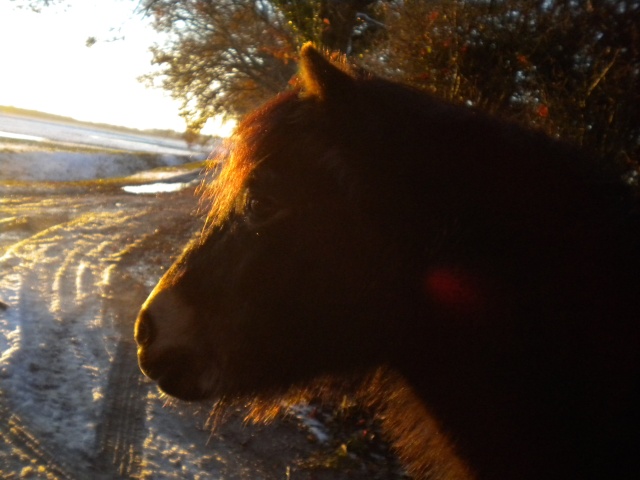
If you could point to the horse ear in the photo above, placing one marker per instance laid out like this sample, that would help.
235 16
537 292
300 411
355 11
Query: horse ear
320 77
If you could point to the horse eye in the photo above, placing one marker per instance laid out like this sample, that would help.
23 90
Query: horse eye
262 208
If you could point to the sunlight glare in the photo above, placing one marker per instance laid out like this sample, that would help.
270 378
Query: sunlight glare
220 127
46 65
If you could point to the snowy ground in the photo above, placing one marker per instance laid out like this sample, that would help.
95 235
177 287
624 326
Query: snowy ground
46 150
76 261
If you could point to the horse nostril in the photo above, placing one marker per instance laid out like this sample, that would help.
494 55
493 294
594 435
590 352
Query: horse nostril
144 330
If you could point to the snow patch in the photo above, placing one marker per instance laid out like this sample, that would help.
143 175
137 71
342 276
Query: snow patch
70 166
306 414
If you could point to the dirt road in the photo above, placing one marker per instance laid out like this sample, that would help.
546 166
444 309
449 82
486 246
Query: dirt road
76 262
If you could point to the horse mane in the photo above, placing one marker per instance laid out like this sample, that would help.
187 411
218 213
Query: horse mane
417 438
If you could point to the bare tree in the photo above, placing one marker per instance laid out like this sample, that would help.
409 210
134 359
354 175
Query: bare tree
36 5
570 68
332 24
228 56
222 56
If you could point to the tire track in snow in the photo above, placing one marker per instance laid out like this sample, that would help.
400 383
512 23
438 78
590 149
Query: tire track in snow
73 312
23 444
46 349
120 429
120 437
61 330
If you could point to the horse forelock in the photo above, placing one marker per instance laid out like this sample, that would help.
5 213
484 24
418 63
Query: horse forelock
231 169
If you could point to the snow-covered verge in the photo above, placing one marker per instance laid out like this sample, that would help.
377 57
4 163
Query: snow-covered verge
71 166
75 265
36 149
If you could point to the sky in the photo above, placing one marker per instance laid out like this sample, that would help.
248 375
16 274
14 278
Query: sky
45 64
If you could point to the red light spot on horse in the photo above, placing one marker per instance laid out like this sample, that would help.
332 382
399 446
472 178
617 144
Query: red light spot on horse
454 289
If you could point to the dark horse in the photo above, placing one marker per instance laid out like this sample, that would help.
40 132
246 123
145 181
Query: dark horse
482 280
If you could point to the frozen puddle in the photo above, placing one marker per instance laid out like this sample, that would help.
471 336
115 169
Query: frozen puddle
155 188
19 136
